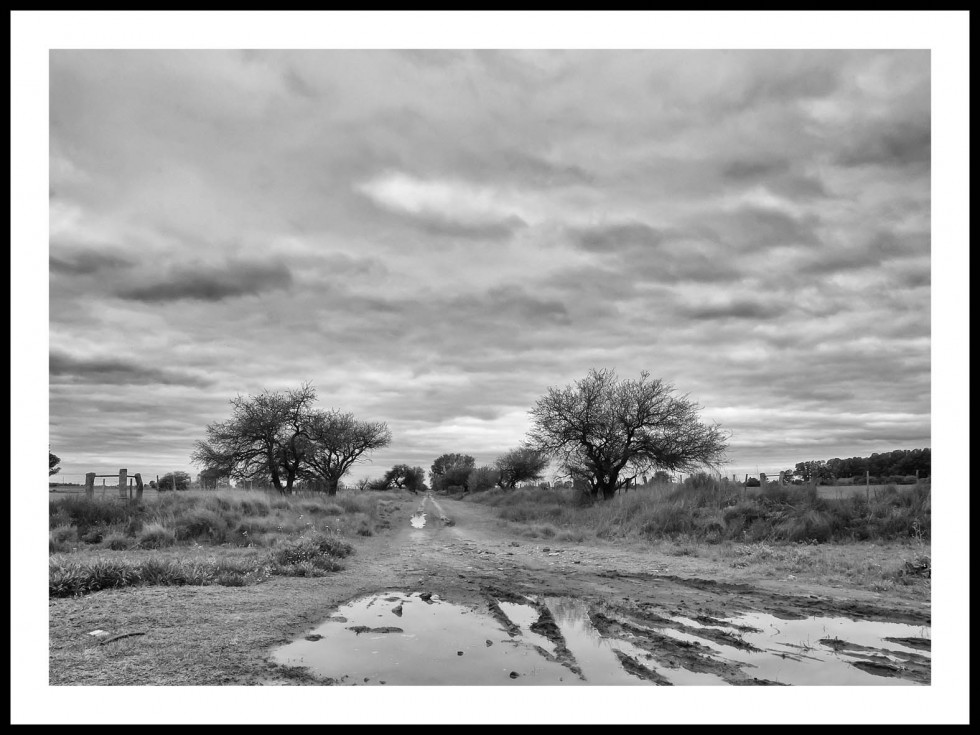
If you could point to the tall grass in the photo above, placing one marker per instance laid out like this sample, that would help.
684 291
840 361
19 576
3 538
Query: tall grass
718 511
309 556
228 517
301 536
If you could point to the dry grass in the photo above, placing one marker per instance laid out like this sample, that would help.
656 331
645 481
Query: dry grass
719 512
226 537
882 545
215 518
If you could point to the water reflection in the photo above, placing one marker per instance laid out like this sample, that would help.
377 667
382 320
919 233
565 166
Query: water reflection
430 641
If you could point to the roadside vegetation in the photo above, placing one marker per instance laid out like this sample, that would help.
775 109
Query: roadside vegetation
229 538
717 511
718 520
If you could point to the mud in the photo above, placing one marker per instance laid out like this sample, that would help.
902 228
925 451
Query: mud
479 607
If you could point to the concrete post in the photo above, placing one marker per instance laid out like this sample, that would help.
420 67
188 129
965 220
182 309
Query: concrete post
90 484
122 484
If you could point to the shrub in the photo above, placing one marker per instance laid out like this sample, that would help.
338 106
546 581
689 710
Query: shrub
85 513
254 507
805 523
58 516
201 523
155 536
63 534
67 578
93 536
310 548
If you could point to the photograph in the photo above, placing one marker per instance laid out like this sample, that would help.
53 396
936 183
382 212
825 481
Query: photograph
492 369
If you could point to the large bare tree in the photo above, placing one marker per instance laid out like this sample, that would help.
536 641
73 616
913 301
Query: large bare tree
265 437
605 431
336 441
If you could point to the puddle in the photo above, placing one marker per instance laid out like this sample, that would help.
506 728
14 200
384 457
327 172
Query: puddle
831 651
394 638
426 653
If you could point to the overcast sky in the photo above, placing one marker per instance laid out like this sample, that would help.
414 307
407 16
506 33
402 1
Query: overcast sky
434 238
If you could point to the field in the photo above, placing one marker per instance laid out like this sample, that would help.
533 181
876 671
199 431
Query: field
204 587
225 537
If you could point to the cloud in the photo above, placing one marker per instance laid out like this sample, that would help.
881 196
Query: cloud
511 304
444 203
115 371
900 143
882 247
736 308
618 237
635 251
435 237
210 283
87 262
446 227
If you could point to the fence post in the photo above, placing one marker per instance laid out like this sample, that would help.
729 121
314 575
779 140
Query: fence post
867 485
90 484
122 483
139 487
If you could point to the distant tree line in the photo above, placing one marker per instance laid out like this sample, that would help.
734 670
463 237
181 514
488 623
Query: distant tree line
882 467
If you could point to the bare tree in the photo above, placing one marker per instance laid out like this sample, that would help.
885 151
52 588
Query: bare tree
605 431
335 441
524 464
265 436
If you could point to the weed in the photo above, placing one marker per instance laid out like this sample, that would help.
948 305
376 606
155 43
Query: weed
156 536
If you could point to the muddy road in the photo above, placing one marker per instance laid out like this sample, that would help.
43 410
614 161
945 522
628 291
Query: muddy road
446 596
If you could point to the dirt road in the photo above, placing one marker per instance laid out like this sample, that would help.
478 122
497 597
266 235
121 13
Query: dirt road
458 590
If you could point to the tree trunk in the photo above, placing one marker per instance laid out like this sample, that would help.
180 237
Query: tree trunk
608 491
333 484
